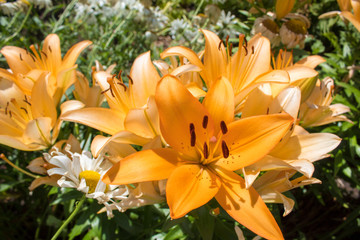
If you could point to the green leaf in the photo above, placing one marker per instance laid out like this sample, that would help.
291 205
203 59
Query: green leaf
204 222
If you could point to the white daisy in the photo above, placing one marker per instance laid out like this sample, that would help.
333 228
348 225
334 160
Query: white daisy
83 172
294 31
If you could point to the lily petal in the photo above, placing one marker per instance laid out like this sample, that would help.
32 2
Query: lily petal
16 55
122 137
52 49
252 138
177 107
143 166
219 101
183 52
247 207
145 77
42 103
214 57
189 187
312 146
311 61
73 53
102 119
144 121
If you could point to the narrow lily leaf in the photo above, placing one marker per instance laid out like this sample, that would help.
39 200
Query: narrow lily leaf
190 187
252 138
247 207
102 119
143 166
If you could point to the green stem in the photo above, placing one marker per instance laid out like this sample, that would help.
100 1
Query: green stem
2 156
21 26
68 220
65 13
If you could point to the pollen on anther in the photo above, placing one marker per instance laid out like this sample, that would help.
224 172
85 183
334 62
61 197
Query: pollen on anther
192 135
225 149
206 150
223 127
205 121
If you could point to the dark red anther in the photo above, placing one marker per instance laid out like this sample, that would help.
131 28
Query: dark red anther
205 121
206 150
223 127
225 149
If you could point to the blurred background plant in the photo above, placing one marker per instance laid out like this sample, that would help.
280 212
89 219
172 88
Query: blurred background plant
120 31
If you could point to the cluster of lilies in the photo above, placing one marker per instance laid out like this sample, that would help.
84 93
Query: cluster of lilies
207 124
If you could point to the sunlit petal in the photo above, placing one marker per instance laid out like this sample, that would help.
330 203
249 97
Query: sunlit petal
219 101
252 138
147 165
103 119
247 207
177 109
190 186
145 77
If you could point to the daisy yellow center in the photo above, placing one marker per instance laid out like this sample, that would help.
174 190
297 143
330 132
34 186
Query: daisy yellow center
271 25
92 178
297 26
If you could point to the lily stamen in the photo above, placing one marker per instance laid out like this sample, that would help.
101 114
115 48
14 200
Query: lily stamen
223 127
205 121
206 150
192 135
225 149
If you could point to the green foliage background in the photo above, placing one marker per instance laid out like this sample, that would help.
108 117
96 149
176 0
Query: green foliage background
324 211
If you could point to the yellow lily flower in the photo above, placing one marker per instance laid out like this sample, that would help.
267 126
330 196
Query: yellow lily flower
26 121
317 110
132 117
27 66
207 146
245 70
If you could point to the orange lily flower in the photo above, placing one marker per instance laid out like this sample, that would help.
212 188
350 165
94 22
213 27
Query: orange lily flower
318 110
26 121
245 69
207 146
26 67
354 18
132 117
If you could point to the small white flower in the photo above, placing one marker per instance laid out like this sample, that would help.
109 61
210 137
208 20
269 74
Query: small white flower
294 31
84 172
42 3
